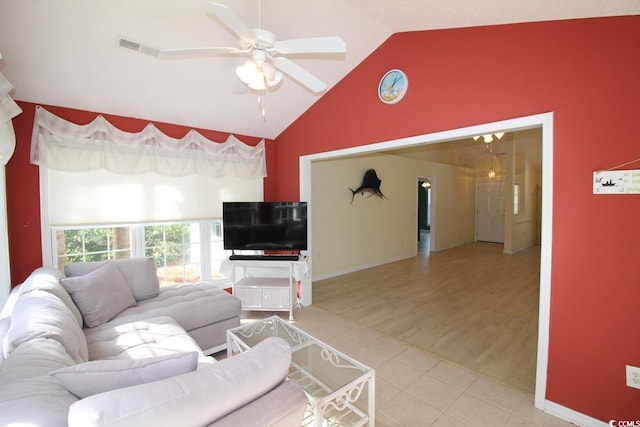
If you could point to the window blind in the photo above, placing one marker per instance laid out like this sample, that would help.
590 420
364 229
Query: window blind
97 174
102 197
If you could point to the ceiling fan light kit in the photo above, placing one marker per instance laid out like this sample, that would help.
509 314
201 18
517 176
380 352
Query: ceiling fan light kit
488 138
267 62
271 75
257 73
249 74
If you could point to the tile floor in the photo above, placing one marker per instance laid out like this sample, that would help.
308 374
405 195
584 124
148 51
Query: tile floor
415 388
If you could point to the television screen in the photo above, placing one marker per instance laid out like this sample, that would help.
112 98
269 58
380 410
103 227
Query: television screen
265 225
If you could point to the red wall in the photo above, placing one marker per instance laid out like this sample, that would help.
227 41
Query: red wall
587 73
23 188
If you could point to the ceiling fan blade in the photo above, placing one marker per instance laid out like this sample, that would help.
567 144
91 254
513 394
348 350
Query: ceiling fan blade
172 53
311 45
300 74
229 19
199 51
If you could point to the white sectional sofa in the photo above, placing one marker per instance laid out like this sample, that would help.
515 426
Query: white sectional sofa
203 310
102 345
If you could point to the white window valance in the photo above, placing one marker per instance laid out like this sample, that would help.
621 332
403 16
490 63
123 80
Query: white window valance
61 145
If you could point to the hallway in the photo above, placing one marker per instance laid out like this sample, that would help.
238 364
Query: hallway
424 243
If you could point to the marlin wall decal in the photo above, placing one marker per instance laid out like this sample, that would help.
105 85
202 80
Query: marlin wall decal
370 184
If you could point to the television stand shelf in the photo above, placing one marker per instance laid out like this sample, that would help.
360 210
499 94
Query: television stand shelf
267 285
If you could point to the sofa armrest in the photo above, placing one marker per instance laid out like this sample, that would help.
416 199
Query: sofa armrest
283 406
193 399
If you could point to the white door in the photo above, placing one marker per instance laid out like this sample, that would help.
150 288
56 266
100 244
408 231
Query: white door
490 211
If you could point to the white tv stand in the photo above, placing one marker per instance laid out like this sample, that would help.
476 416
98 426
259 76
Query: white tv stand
267 285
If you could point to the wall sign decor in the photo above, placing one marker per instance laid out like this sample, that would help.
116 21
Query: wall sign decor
370 184
393 86
616 182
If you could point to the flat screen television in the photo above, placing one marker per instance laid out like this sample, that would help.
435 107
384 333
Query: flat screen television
265 226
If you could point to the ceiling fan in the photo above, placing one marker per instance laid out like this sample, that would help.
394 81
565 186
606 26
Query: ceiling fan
267 56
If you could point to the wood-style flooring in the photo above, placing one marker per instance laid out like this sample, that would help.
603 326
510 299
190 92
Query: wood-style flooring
472 305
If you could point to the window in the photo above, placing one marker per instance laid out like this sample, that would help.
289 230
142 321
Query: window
92 244
217 252
171 246
155 211
175 247
158 194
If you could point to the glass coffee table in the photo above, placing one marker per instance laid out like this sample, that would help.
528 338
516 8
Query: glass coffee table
340 390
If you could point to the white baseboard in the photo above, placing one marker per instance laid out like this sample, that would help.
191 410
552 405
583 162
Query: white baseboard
571 416
360 267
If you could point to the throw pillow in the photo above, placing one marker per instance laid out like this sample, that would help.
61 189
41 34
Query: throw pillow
142 276
99 376
140 273
206 395
100 294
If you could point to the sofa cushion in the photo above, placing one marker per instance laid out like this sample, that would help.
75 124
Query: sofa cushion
137 340
87 379
36 402
39 314
47 279
289 411
5 323
7 308
192 306
34 358
140 273
28 395
206 394
100 294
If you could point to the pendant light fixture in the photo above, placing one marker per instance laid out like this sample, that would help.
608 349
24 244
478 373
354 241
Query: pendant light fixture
492 172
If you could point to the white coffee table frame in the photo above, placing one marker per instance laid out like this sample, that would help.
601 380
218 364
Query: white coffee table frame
330 405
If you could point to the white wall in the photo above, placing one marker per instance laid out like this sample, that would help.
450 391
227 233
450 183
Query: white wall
372 231
453 199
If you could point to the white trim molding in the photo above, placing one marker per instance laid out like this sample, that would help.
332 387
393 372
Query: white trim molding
543 121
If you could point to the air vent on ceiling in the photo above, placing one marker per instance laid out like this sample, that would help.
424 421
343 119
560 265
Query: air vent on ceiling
129 44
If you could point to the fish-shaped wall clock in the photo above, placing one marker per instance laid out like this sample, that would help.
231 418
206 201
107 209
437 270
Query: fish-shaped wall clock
370 184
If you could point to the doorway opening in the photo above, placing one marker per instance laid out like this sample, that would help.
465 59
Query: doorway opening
543 121
424 203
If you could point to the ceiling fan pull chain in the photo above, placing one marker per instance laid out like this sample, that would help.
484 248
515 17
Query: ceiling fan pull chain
261 105
264 107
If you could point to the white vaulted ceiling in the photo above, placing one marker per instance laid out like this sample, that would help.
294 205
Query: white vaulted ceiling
63 52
